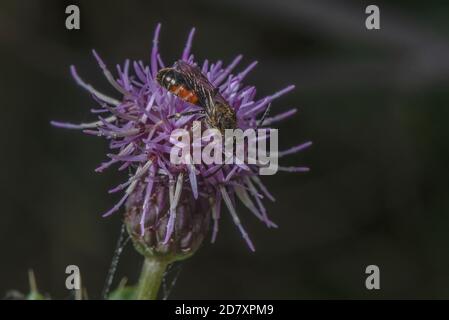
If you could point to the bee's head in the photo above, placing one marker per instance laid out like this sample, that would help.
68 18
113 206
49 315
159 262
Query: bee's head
224 117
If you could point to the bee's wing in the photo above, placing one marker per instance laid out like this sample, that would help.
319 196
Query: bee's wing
199 83
193 75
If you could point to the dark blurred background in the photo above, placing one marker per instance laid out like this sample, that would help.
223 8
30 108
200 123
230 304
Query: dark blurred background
375 104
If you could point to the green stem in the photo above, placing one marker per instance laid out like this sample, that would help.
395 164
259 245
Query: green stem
150 278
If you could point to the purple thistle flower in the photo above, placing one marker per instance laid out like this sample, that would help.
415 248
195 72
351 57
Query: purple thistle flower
169 207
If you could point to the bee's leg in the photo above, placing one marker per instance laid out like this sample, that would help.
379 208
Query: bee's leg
260 122
186 113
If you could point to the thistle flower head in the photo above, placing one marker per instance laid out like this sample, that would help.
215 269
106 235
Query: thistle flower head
190 225
170 206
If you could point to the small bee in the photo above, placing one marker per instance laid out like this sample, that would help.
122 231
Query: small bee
190 84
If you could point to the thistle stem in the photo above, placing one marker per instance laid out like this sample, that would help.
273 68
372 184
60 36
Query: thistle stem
150 278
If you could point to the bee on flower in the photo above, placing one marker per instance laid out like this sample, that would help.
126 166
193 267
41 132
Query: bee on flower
170 208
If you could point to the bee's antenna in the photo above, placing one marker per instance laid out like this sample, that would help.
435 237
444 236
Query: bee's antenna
121 243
